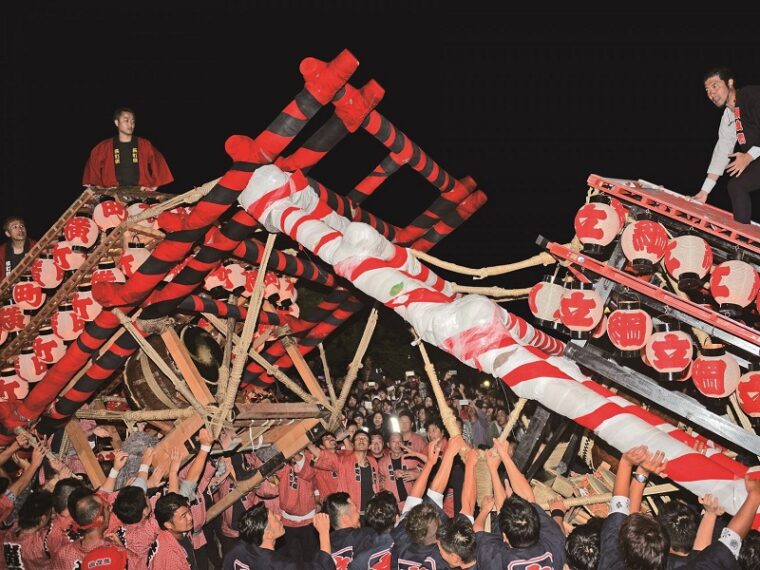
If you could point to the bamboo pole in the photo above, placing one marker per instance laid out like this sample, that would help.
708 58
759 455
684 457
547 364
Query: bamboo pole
499 292
513 417
135 416
281 377
606 497
190 197
326 369
542 258
447 415
224 371
34 440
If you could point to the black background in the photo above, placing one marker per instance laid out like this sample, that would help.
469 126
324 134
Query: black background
527 102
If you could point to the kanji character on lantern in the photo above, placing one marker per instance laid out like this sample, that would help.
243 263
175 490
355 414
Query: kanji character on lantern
49 347
81 230
714 372
66 324
133 257
46 272
629 328
748 390
544 300
109 213
734 285
669 350
644 243
580 309
12 387
107 272
12 317
29 366
28 294
67 256
85 305
596 225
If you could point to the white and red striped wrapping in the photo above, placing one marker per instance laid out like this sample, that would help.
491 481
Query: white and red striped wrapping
479 332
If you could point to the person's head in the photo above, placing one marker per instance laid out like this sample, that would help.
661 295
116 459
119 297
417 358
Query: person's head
360 441
405 421
382 512
258 525
680 524
421 523
351 402
719 84
172 513
519 522
358 419
342 511
387 407
377 420
434 428
429 402
644 543
376 443
124 119
749 555
130 505
14 228
417 400
456 542
501 416
351 429
36 510
89 512
583 545
377 405
61 493
422 415
328 442
394 443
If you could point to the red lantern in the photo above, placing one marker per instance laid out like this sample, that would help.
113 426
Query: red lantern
68 256
620 210
109 213
12 387
580 309
748 390
28 294
133 257
12 317
688 259
48 347
669 350
596 225
644 243
543 301
81 230
107 273
734 284
215 280
46 272
629 328
85 305
29 366
715 373
66 324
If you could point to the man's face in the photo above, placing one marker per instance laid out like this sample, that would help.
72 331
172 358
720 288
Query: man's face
274 525
361 442
450 558
394 444
405 424
16 230
353 518
717 90
434 432
182 520
125 124
376 445
501 417
329 443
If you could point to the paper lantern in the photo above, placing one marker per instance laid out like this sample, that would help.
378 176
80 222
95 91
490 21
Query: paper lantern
81 230
601 328
688 258
12 317
3 337
27 293
214 282
669 350
580 309
133 257
644 243
235 282
48 347
66 324
46 272
620 210
271 287
715 373
12 387
543 301
596 225
108 213
748 390
734 285
107 272
85 305
629 328
67 256
29 366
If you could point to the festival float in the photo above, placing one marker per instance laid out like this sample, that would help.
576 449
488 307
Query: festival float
177 310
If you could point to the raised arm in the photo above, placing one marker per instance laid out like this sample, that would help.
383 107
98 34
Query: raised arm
493 461
707 525
119 461
517 480
470 486
38 454
199 462
441 479
654 463
433 451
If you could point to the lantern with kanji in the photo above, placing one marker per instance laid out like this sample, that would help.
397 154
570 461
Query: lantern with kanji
688 258
215 281
12 317
46 273
29 366
644 243
67 256
714 372
108 213
66 324
133 257
580 309
107 272
544 299
734 285
81 230
28 294
669 350
748 390
49 347
85 305
596 225
629 328
12 387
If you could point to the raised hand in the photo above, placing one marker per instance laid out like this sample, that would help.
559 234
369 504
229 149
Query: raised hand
654 463
487 503
636 455
205 438
120 459
147 457
711 505
322 523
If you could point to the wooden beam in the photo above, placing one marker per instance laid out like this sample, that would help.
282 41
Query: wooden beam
267 411
177 437
187 368
311 382
90 463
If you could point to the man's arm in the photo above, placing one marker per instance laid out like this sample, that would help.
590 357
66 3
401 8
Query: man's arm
433 451
654 463
441 479
517 480
469 487
707 525
493 461
720 156
38 454
119 461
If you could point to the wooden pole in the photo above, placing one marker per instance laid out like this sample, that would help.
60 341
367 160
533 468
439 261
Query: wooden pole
328 378
447 415
542 258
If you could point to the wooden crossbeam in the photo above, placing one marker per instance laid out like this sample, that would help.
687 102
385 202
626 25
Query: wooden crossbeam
311 382
187 368
90 463
266 411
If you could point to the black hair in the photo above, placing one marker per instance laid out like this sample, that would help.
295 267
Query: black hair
379 434
117 113
408 413
84 507
62 491
130 504
749 555
725 73
253 523
7 221
35 508
359 432
680 523
381 513
166 506
519 521
418 520
583 545
644 543
434 420
335 506
456 536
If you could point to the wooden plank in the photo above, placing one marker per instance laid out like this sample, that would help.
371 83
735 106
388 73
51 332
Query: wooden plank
187 368
78 439
266 411
177 437
311 382
530 442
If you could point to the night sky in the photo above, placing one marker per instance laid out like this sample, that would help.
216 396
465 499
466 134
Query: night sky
527 103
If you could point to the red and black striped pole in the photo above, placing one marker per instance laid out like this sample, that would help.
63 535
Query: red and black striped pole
252 250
